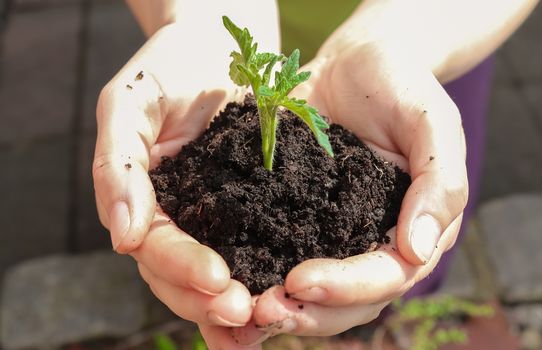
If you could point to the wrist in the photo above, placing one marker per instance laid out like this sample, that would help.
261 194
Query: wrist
397 27
204 18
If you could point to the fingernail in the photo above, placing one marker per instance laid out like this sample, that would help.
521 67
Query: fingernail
218 320
424 236
119 223
313 294
285 326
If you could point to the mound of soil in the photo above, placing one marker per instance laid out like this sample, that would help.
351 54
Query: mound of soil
265 223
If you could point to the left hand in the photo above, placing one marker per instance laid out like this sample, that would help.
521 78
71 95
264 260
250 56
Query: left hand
402 112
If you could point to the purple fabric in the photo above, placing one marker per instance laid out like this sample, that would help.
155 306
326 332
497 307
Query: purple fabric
471 94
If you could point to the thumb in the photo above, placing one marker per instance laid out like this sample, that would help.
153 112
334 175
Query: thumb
435 147
129 118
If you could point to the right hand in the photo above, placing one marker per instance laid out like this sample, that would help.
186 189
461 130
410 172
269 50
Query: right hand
162 99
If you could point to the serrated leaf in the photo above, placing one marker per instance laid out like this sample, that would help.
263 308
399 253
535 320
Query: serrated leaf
267 72
290 67
236 75
261 59
243 38
266 91
302 77
252 77
310 116
288 78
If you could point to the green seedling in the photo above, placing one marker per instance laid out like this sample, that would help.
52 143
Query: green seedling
252 68
430 321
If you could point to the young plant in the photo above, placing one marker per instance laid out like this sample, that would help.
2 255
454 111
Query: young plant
246 69
430 323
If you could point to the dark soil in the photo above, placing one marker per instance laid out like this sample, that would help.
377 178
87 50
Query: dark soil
265 223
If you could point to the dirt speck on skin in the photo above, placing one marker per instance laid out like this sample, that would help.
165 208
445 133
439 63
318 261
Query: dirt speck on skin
265 223
128 166
139 76
129 87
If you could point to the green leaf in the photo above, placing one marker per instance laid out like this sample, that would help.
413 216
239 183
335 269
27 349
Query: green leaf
288 78
243 38
267 72
311 117
261 59
266 91
290 67
237 76
164 342
252 77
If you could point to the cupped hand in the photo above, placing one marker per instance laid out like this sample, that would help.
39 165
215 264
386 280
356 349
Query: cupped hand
163 98
399 109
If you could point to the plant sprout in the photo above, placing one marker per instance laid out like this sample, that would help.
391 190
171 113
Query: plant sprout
245 70
420 324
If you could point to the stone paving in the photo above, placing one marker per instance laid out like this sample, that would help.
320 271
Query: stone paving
56 55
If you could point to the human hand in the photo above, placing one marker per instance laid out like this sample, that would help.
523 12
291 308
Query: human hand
400 110
163 98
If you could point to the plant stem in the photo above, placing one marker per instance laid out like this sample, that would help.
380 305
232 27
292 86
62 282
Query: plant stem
268 125
272 142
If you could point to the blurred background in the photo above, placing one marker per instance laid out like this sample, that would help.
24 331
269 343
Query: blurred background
61 284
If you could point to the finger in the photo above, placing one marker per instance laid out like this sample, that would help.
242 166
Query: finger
363 279
220 338
276 313
231 308
432 139
180 260
129 116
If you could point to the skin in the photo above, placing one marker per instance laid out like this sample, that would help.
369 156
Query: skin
169 102
364 79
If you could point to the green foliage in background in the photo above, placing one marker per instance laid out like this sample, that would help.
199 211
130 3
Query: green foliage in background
197 342
164 342
426 317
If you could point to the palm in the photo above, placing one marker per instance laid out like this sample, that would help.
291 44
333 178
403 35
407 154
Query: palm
370 99
403 113
193 85
163 98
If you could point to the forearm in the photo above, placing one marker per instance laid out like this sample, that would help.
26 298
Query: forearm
204 17
154 14
449 36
